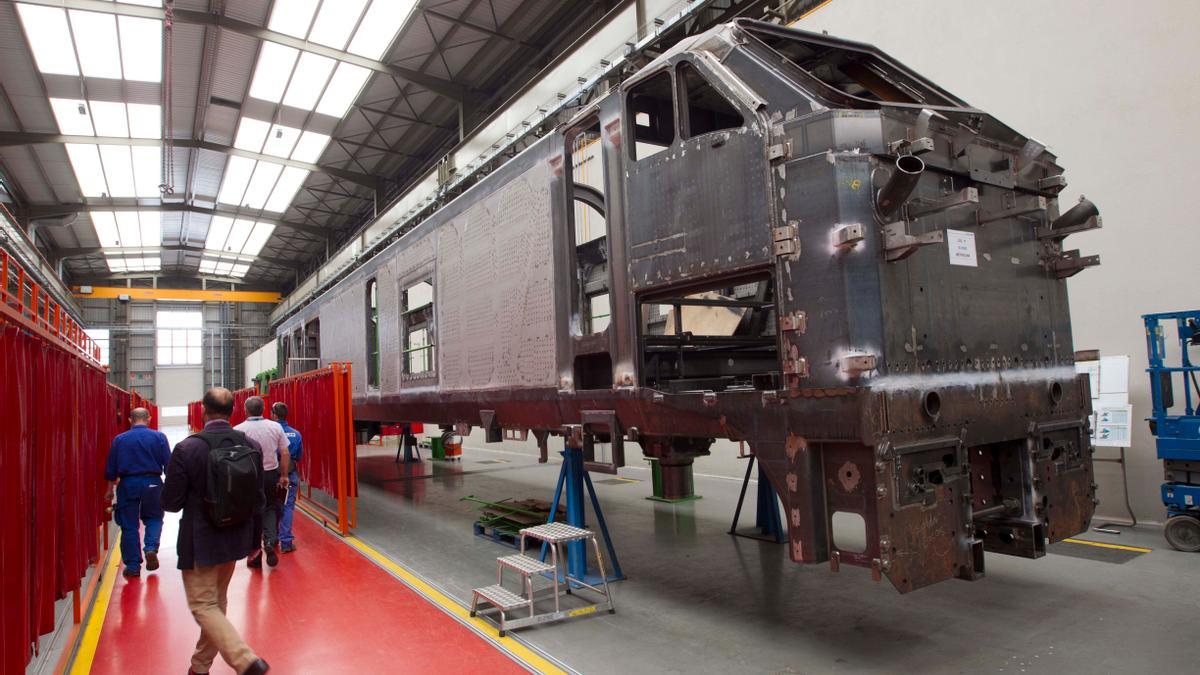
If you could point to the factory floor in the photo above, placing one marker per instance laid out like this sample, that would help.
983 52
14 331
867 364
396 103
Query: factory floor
698 600
326 608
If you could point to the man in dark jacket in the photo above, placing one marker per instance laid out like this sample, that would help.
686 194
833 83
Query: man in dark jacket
209 554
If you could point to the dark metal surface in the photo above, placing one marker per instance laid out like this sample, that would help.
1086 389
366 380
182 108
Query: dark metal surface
929 396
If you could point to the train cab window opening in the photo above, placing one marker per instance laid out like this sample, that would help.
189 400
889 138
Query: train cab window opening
650 108
599 312
373 334
704 109
417 318
588 226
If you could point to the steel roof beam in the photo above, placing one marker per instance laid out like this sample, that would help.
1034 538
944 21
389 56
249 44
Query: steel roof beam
85 251
10 138
446 88
47 211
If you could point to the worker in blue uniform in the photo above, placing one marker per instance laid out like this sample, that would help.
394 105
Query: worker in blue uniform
136 461
287 541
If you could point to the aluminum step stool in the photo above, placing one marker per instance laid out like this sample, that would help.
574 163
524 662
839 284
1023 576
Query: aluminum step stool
556 535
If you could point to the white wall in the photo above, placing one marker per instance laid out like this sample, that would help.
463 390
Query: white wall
1112 88
177 386
264 358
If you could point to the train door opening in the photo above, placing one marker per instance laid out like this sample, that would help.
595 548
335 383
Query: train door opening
373 365
588 229
712 338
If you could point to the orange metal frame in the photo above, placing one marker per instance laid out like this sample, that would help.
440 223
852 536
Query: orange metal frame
31 307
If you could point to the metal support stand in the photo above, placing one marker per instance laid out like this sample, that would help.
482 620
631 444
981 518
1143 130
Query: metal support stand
767 520
408 446
574 479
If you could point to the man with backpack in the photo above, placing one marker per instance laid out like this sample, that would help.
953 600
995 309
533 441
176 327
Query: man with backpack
215 477
276 466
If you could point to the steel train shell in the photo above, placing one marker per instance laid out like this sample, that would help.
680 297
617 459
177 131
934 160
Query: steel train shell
768 236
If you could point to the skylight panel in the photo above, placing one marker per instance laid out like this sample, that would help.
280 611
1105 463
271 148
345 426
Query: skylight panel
239 270
96 42
106 228
144 3
379 27
258 238
110 118
343 88
71 121
224 268
275 63
312 72
145 120
218 232
237 173
207 266
335 22
147 170
85 160
260 185
289 182
310 146
128 229
251 134
151 222
238 235
141 48
118 170
48 32
292 17
281 140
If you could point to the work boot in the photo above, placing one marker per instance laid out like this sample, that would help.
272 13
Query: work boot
254 562
151 560
288 547
131 572
272 557
257 668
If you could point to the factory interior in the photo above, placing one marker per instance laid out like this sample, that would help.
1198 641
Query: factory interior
598 336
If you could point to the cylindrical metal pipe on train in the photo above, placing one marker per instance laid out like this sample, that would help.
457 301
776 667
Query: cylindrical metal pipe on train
900 185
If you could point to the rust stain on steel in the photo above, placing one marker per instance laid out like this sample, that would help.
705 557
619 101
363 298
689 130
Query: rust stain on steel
794 445
849 476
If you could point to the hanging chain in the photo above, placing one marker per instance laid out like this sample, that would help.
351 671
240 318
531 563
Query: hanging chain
167 187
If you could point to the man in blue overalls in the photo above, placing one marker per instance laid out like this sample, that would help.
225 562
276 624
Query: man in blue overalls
287 541
136 461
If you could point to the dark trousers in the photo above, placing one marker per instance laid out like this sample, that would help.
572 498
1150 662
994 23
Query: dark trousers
266 525
137 500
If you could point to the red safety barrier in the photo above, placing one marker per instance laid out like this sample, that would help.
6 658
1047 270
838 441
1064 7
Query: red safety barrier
60 416
196 409
319 408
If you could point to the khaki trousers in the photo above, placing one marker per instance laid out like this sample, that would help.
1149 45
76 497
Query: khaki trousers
206 589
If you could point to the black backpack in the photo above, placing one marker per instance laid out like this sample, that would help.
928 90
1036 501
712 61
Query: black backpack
234 492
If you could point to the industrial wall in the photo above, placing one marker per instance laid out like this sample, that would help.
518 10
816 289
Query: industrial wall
1111 88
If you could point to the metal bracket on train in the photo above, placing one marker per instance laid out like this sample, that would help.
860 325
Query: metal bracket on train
1022 207
787 239
1070 263
846 237
602 421
964 197
491 427
917 146
898 244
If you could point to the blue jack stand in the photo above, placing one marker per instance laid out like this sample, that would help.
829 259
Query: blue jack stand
574 478
767 520
408 446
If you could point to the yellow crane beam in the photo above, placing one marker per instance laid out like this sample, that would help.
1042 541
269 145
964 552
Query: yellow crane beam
189 294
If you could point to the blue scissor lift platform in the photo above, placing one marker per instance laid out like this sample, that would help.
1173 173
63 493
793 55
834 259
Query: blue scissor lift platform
1177 436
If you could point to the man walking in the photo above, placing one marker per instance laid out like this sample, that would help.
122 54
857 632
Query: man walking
287 542
136 461
208 552
276 468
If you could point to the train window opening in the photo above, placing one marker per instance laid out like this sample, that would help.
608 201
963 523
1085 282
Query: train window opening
312 344
709 339
588 228
599 312
651 108
417 318
704 108
373 365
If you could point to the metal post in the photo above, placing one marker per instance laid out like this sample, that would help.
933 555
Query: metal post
576 514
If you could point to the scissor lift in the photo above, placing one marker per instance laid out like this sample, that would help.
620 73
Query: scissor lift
1177 435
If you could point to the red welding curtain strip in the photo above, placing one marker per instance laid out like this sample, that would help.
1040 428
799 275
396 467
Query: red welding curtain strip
59 418
310 410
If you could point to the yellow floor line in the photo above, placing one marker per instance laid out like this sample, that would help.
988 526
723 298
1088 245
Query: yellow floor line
522 653
82 663
1100 544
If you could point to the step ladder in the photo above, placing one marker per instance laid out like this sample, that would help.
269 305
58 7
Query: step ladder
556 536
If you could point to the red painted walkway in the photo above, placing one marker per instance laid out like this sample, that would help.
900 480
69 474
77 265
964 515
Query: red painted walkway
324 609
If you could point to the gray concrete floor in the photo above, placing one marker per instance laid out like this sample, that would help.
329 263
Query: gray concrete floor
699 600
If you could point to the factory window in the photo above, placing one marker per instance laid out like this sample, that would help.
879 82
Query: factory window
178 338
372 334
599 312
417 304
100 337
651 109
705 109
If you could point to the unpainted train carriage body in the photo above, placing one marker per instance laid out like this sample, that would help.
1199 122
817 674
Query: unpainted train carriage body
798 243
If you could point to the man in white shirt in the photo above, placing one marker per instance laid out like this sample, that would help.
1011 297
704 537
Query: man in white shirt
276 466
